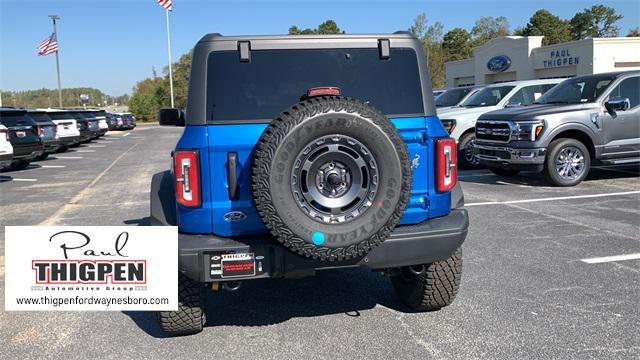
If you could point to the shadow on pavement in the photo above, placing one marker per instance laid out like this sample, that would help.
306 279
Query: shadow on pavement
537 179
273 301
145 221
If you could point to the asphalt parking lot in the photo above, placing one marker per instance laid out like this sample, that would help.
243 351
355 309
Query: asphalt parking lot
537 280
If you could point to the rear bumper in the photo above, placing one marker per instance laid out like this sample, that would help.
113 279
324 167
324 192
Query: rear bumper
27 152
5 159
432 240
70 140
50 146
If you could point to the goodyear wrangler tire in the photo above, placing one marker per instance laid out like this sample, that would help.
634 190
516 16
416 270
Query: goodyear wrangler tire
331 178
191 315
429 287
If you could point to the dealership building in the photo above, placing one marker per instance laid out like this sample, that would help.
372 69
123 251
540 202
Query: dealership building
524 58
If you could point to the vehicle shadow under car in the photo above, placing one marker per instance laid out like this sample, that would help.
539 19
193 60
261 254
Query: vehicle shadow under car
537 179
273 301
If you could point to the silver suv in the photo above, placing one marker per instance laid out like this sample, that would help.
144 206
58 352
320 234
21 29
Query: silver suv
583 119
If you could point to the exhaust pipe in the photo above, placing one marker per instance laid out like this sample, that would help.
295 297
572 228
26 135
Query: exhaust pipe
231 285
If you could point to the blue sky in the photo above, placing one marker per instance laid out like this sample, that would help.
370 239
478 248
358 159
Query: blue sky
110 45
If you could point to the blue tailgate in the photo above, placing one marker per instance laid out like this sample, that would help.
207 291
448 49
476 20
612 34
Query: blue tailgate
216 142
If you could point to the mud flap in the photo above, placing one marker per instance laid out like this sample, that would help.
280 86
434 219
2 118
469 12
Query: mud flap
163 200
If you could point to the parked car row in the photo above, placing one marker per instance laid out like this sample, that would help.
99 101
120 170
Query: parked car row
559 127
33 134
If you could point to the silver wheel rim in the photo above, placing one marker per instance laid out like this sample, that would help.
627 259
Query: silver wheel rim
570 163
334 179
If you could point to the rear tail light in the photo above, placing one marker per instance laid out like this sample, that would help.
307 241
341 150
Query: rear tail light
187 178
40 130
446 165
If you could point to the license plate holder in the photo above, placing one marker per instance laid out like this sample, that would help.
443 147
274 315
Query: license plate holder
232 265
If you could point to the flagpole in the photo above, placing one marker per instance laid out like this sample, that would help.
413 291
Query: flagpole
55 32
169 51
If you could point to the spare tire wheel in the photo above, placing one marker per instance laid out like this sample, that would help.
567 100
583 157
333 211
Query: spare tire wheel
331 178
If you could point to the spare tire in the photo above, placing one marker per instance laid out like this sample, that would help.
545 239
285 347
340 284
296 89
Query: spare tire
331 178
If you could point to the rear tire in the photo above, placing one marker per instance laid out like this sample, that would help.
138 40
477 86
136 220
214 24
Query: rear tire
567 162
504 172
466 158
191 315
432 288
42 157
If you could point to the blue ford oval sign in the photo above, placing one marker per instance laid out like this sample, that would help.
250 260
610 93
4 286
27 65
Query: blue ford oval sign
499 63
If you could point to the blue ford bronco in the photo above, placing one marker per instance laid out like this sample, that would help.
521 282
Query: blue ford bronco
303 153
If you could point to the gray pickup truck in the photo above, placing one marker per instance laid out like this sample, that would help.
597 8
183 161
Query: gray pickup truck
594 118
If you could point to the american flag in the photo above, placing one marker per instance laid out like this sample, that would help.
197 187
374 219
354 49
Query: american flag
167 4
48 45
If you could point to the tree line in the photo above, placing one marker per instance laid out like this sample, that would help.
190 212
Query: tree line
151 94
48 98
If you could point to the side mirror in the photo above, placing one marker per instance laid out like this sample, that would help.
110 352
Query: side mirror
171 117
617 104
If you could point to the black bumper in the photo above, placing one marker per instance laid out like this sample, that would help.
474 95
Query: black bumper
51 146
433 240
5 159
28 151
70 140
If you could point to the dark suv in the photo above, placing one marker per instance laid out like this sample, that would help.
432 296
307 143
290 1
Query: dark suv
23 136
304 153
47 131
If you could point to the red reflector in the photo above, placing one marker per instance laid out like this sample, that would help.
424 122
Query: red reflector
187 178
446 165
324 91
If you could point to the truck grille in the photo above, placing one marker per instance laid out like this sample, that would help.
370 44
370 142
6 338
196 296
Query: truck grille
493 131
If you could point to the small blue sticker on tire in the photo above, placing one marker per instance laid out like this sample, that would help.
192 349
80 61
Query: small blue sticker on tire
317 238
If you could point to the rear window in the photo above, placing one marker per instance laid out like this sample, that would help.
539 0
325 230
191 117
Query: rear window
60 116
40 117
276 79
14 119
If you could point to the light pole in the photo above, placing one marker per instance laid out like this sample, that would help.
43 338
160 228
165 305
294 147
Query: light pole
55 33
169 51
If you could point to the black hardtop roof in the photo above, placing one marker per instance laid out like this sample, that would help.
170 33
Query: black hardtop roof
197 113
219 37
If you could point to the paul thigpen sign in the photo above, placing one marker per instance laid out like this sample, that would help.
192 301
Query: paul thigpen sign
91 268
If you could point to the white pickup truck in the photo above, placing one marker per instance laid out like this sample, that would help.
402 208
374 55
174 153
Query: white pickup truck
460 121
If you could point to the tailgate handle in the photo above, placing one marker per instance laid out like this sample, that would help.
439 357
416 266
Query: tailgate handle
232 177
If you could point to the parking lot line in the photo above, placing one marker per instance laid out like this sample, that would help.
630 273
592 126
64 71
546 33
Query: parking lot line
15 179
85 151
605 259
68 157
127 134
99 146
52 220
51 166
553 198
